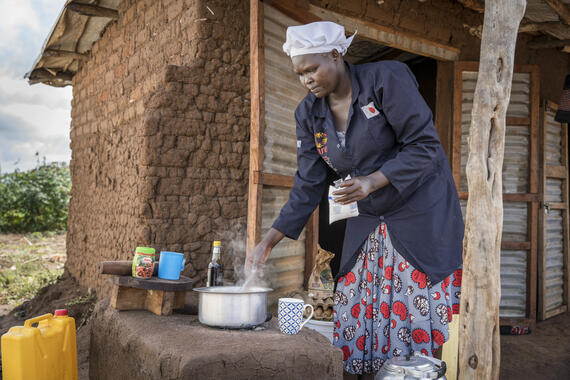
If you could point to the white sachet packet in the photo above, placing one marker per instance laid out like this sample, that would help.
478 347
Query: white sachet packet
339 211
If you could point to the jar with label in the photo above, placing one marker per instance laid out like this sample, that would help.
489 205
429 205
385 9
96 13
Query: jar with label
143 262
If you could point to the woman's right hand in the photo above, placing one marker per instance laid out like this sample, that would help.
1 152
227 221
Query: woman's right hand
256 258
259 255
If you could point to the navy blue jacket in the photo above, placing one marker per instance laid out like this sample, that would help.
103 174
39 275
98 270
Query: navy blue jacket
390 128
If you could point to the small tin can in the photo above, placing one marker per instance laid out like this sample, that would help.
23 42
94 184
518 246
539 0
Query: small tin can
143 262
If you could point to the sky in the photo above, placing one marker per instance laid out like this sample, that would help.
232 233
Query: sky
33 119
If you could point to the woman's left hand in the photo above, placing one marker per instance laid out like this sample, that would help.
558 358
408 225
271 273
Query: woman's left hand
353 190
359 188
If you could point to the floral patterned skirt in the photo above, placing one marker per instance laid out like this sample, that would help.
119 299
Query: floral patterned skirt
384 307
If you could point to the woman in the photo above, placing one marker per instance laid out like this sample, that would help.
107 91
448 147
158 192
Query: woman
399 272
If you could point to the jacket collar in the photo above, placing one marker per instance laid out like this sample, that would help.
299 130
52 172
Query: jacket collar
319 107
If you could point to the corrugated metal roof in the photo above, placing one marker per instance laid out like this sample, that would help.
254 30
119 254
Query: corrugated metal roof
79 25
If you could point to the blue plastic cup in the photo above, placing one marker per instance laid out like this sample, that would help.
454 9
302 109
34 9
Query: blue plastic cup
170 265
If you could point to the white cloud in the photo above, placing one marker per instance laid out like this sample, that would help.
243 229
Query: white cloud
18 91
16 17
22 138
17 14
32 118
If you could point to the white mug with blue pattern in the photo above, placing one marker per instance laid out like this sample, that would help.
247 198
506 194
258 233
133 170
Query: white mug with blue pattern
290 315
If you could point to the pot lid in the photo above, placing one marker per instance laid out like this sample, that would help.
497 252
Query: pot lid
418 366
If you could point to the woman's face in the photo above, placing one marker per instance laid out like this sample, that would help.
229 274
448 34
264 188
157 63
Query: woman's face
319 73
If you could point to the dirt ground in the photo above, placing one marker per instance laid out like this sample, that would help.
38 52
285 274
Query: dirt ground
543 354
28 262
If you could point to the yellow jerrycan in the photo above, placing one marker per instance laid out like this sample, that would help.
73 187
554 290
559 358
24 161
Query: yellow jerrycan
45 352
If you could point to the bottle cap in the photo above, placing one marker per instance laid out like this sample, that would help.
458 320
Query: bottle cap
60 313
217 243
147 250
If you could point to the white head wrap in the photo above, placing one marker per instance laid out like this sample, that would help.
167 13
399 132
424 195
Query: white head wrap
316 37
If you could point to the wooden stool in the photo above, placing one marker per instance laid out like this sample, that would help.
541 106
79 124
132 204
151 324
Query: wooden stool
154 294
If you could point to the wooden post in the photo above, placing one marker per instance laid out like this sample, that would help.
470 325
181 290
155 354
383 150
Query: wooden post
479 345
444 95
311 245
256 127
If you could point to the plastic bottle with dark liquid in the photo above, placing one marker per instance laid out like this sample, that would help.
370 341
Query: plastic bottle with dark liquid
215 269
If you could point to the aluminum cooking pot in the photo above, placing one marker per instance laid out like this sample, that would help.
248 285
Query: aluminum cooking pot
415 367
233 307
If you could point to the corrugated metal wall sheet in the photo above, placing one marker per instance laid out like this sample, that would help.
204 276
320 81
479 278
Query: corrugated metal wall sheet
515 222
552 146
553 190
513 285
285 267
515 180
515 165
554 274
283 92
554 249
513 263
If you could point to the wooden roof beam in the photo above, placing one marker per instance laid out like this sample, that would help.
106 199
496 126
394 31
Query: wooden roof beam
475 5
391 54
45 76
92 10
65 54
290 10
561 9
538 26
547 43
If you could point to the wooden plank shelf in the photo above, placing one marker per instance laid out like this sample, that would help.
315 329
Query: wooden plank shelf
156 295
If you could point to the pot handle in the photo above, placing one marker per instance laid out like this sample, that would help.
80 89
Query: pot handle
439 364
310 316
442 369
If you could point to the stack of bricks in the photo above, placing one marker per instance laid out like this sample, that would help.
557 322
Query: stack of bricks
159 136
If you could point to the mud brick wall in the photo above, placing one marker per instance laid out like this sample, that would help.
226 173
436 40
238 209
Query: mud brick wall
159 136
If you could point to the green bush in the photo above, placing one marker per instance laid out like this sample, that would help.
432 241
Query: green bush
35 200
